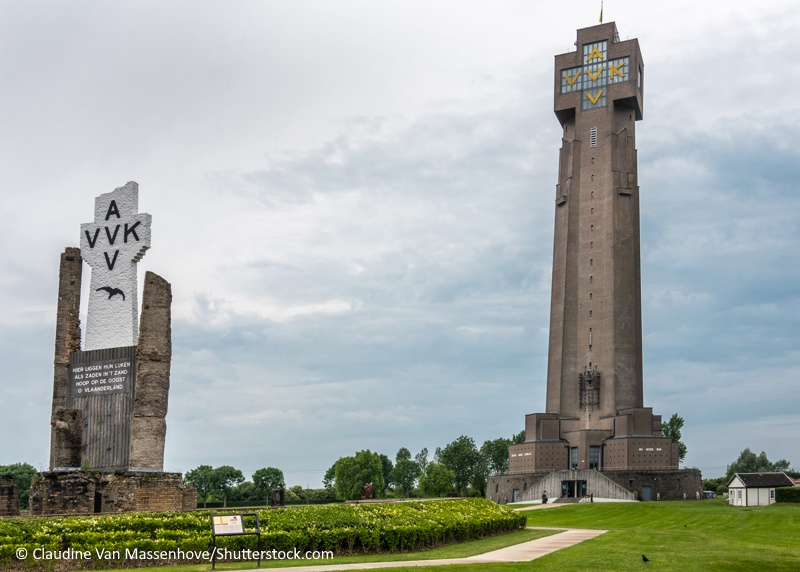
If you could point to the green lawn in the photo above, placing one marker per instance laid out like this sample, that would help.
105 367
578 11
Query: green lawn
451 551
706 535
684 536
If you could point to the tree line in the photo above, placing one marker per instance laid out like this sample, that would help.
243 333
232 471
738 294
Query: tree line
225 483
461 468
749 462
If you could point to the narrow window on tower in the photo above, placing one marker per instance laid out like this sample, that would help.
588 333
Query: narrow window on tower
592 195
590 313
591 210
590 295
590 338
593 177
592 160
591 245
593 137
591 262
590 279
592 228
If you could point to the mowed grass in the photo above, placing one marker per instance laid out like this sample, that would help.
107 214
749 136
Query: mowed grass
684 536
690 535
462 550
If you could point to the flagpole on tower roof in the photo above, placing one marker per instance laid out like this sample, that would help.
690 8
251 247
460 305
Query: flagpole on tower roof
601 11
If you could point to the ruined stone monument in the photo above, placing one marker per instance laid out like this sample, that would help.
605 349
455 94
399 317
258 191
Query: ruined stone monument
110 401
596 436
9 496
277 498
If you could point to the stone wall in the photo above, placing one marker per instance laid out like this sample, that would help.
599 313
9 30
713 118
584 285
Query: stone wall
156 492
664 485
597 484
153 358
68 335
62 493
67 435
9 496
78 492
500 488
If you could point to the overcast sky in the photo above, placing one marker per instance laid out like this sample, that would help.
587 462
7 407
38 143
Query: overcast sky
354 203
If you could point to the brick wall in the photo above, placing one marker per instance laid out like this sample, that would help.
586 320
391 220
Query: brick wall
9 496
87 493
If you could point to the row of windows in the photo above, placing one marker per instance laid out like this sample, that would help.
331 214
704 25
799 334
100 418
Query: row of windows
595 76
594 457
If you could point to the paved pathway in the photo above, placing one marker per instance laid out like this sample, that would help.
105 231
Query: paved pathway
523 552
540 506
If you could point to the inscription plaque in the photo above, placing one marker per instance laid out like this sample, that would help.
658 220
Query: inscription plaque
101 377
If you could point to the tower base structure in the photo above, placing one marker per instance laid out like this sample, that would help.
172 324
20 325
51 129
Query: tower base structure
80 493
572 485
630 440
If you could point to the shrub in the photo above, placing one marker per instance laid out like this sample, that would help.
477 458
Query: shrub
787 494
362 528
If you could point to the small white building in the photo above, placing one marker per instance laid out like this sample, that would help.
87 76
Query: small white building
755 489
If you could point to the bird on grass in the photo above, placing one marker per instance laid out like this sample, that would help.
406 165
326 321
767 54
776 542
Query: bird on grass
645 558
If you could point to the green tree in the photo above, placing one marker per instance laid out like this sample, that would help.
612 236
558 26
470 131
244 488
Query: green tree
437 480
201 478
387 466
480 476
244 492
672 429
405 472
352 473
23 474
298 492
330 477
462 457
718 485
224 479
749 462
518 438
266 480
422 459
496 455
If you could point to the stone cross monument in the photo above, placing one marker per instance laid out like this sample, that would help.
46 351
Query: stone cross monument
112 245
108 422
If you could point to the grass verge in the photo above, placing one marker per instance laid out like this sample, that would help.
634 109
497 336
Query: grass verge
685 536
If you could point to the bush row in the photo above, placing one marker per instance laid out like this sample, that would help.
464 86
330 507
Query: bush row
787 494
254 504
363 528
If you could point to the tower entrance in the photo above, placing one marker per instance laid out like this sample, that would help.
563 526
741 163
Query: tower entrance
573 489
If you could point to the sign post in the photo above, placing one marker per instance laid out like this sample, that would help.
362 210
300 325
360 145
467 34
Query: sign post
233 525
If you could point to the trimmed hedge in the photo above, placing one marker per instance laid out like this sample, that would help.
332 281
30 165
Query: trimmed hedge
360 528
787 494
262 504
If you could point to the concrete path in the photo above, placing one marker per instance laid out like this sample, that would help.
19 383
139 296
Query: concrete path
523 552
541 506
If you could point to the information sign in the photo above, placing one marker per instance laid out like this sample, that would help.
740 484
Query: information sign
228 524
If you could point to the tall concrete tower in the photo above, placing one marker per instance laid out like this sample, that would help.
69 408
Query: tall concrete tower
595 416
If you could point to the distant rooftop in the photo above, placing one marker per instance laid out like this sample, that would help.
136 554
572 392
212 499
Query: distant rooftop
757 480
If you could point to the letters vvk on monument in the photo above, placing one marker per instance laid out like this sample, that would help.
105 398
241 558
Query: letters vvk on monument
110 400
596 436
